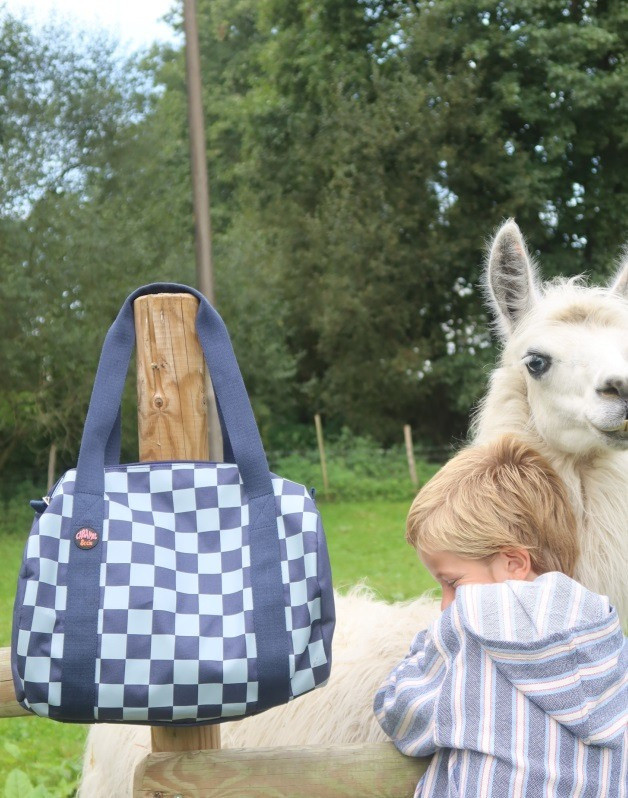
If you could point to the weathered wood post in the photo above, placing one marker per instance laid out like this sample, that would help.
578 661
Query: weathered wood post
9 708
52 466
321 450
407 434
172 425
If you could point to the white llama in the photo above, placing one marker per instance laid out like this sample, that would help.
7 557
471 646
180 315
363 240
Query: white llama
562 384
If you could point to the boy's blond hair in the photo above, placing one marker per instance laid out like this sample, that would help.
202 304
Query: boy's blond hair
492 496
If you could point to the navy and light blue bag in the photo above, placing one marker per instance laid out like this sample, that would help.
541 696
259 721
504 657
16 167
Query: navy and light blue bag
171 592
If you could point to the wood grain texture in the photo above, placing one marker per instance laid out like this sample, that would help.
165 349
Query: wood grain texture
171 397
373 770
177 739
407 434
172 425
9 708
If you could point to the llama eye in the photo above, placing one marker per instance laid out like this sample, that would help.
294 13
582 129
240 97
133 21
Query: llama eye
537 364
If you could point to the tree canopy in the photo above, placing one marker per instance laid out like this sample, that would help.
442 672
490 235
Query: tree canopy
360 153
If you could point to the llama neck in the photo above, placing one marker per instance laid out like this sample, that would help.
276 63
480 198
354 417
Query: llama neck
603 523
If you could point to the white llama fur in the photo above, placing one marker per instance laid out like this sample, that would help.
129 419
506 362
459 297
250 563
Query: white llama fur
574 414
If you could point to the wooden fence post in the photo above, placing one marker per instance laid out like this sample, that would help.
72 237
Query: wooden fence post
52 466
321 450
172 425
407 434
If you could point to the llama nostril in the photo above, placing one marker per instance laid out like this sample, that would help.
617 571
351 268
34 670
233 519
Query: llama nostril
609 391
614 388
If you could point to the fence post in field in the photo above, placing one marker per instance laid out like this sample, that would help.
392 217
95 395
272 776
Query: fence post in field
321 450
172 425
52 466
407 434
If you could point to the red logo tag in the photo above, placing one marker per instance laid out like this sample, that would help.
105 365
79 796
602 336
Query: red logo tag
86 538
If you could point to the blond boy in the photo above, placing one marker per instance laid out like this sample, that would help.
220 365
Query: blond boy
519 688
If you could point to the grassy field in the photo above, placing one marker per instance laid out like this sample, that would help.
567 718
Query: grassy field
42 759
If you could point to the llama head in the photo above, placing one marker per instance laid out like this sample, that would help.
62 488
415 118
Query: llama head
569 344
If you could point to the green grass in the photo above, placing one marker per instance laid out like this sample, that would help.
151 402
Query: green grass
42 759
366 543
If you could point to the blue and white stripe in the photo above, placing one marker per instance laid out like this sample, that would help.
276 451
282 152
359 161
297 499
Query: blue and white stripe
519 689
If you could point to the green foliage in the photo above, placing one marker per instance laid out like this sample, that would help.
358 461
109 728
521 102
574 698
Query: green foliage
360 152
59 780
88 215
367 545
374 146
358 469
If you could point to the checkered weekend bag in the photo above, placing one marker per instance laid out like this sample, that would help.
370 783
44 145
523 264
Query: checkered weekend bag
171 592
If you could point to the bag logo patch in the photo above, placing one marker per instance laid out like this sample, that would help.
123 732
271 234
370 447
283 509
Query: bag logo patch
86 538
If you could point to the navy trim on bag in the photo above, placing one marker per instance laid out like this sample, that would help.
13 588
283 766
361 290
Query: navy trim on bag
80 650
273 670
100 443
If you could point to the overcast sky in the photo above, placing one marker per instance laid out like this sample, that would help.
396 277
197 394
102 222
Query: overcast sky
136 23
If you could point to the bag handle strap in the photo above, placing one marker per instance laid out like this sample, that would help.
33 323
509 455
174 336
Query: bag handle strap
100 441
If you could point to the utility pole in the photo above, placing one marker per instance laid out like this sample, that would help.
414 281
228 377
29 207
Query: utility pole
200 187
198 154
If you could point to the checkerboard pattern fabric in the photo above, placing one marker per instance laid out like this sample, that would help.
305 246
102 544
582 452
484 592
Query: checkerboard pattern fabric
176 638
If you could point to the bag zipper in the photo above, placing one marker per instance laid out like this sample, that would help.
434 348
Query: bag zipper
47 499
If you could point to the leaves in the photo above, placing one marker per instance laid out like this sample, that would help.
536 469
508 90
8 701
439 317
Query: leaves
359 155
17 785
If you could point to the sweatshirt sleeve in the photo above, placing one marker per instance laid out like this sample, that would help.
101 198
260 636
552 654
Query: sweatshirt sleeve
405 705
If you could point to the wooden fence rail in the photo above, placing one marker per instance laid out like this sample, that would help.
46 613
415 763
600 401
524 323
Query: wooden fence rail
368 770
9 708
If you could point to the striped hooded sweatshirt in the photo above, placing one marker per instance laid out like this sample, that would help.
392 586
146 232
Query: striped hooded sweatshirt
518 689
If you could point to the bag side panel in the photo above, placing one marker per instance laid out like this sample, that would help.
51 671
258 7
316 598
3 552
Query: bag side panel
18 681
307 603
37 644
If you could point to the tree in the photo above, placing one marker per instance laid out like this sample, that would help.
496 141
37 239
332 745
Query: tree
377 144
360 152
87 216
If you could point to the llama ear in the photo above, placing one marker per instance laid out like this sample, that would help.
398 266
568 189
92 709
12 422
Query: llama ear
511 281
620 282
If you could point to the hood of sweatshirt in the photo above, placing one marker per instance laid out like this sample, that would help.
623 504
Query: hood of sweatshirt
560 645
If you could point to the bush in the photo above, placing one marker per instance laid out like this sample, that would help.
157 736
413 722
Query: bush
358 469
16 514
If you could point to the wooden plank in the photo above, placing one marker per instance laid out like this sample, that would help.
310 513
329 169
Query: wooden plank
9 708
172 425
373 770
